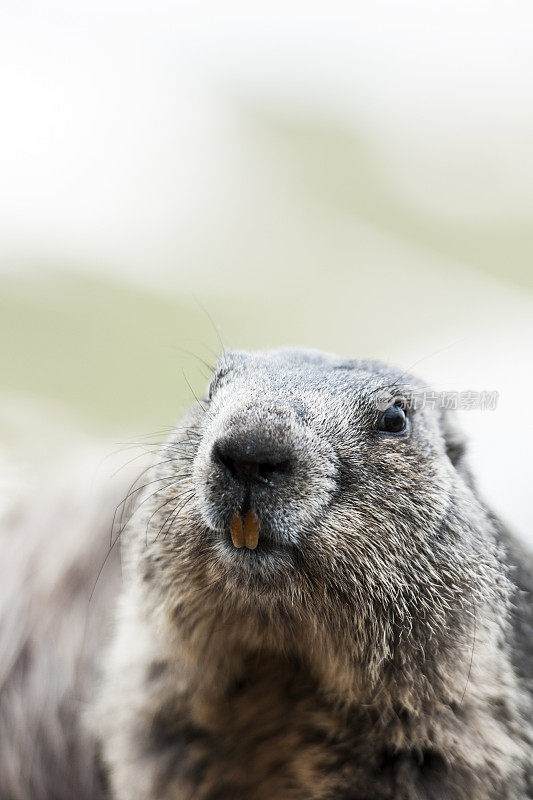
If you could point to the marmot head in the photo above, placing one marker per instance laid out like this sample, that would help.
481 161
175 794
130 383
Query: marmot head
310 505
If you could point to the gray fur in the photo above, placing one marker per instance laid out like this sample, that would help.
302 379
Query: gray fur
378 647
53 544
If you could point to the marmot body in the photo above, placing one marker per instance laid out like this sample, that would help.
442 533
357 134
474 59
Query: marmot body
316 604
363 649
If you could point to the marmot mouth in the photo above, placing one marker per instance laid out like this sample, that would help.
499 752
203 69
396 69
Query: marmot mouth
245 532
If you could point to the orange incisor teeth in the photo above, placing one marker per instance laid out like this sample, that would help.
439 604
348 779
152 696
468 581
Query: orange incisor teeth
237 532
251 530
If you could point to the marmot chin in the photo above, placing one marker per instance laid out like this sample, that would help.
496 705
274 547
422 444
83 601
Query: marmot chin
316 603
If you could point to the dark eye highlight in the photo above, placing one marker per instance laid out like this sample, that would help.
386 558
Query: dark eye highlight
393 420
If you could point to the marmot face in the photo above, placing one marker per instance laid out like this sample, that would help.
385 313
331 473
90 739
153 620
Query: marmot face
295 505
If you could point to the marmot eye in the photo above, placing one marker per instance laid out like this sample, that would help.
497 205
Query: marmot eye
393 420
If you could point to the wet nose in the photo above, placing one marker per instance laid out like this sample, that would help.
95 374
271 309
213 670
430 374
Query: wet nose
248 460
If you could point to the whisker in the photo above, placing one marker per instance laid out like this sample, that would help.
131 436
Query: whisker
193 392
149 497
181 448
215 328
472 653
175 516
170 500
209 366
132 492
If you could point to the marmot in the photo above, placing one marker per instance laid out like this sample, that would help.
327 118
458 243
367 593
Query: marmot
317 605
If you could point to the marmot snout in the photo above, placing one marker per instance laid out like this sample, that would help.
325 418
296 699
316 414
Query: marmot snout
265 453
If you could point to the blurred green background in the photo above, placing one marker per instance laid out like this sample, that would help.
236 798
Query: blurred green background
351 177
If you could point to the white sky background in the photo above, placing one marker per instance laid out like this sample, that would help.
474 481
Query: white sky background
116 128
120 149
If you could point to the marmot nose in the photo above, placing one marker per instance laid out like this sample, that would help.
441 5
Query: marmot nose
248 461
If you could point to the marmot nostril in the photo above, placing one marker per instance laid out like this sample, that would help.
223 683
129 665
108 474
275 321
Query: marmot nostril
249 462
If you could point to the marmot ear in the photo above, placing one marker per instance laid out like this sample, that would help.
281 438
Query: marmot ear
454 438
